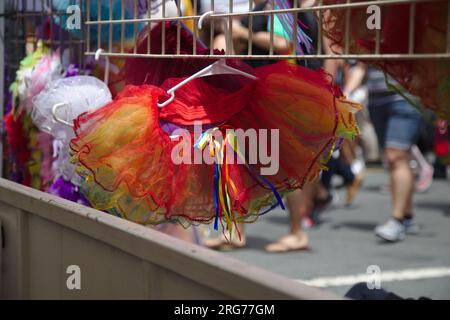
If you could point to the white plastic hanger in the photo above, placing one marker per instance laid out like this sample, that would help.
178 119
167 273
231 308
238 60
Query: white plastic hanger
203 17
218 67
55 113
57 106
97 57
226 26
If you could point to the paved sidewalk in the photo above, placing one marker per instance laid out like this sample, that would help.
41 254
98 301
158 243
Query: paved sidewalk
343 245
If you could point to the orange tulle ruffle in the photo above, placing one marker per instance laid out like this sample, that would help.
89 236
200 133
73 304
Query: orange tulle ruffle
126 154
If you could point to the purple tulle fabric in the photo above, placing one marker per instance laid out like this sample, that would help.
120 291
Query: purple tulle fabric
72 71
67 190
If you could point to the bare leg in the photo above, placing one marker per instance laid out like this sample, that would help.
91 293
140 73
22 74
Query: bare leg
425 178
177 231
299 203
294 204
402 181
348 151
220 42
418 156
368 138
322 194
220 242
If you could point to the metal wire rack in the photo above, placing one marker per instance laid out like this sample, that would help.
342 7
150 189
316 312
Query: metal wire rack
157 11
22 24
25 22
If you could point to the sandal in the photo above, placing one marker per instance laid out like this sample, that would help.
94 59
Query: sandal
222 244
291 242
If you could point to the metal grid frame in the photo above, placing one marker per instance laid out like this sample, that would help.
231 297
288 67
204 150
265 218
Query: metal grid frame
91 47
18 22
23 17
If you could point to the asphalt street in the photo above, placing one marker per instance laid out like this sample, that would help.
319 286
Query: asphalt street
343 245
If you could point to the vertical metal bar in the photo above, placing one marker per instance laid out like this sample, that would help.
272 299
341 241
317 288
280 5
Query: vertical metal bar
88 31
99 26
24 24
211 31
61 43
229 36
2 77
43 14
51 28
347 29
250 29
319 30
179 14
122 25
294 28
110 27
135 15
25 30
271 29
79 52
448 26
19 24
35 24
412 14
71 47
149 26
377 41
194 22
163 33
81 60
16 37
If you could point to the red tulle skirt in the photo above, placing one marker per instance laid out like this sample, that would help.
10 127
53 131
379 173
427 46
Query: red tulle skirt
129 151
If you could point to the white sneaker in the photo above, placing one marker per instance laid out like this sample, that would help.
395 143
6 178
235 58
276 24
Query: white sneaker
392 231
410 226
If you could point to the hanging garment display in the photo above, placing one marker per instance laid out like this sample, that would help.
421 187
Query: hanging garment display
429 79
126 153
73 95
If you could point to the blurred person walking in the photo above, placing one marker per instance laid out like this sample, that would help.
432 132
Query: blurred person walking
398 126
346 161
441 149
337 165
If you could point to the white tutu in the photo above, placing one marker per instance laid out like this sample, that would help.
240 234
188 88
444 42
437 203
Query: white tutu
79 94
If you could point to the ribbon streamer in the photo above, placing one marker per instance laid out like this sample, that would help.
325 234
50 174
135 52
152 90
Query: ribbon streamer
223 183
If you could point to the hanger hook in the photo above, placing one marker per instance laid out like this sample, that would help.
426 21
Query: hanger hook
202 17
55 116
165 103
97 57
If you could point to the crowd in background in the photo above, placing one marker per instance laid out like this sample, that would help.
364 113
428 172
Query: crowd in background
409 144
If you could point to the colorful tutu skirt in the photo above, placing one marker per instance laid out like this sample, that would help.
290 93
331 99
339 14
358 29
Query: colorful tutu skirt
153 165
428 79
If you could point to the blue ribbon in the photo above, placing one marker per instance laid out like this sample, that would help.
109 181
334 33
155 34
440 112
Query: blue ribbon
274 190
216 195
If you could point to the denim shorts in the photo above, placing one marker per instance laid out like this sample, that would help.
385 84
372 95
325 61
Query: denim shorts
396 122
